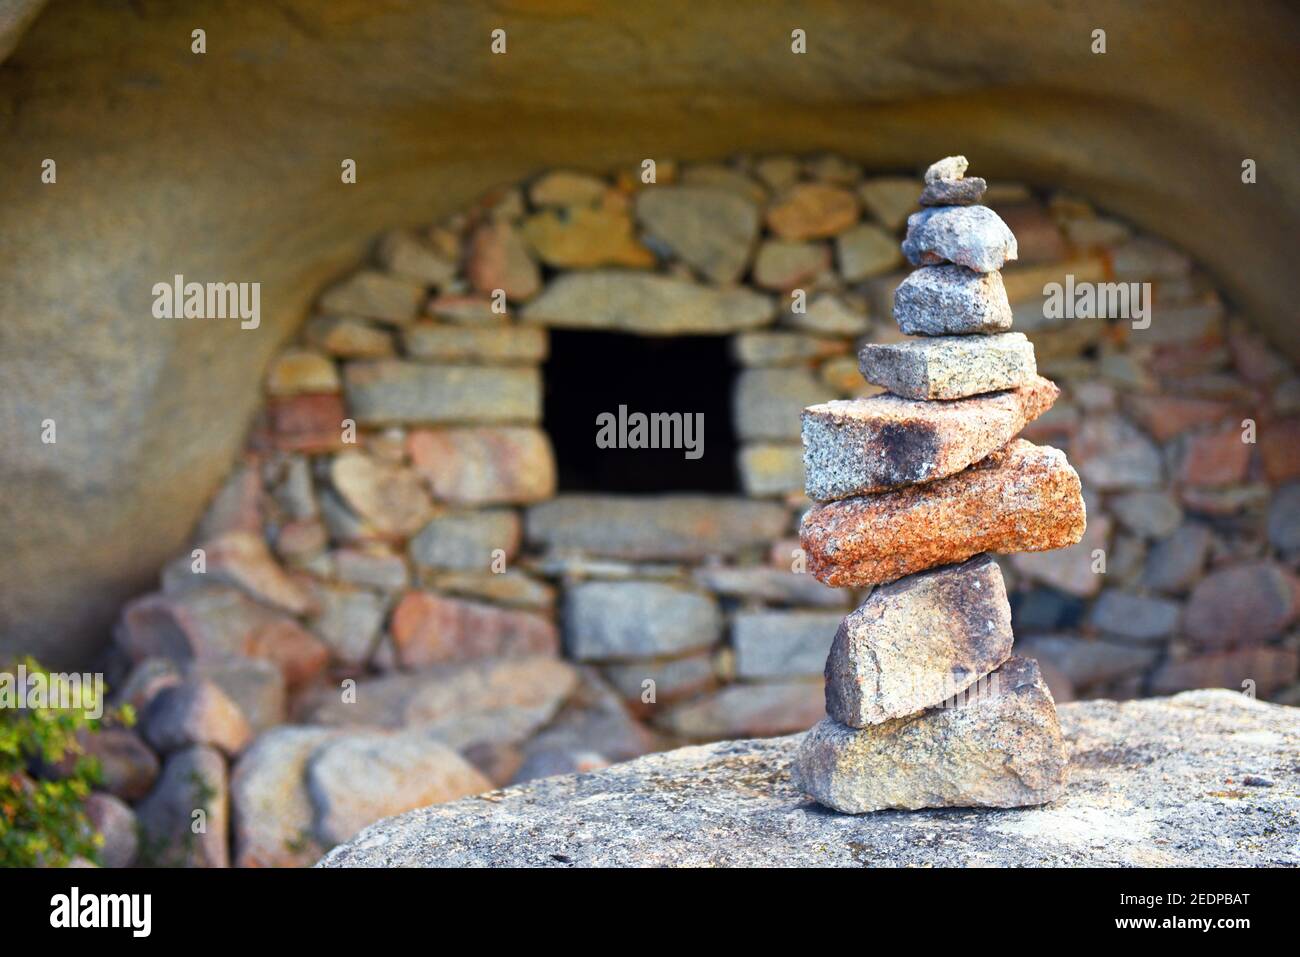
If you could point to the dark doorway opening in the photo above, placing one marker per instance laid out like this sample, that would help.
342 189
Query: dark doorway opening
592 374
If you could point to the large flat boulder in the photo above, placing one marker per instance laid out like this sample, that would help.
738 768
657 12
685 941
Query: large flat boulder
1202 779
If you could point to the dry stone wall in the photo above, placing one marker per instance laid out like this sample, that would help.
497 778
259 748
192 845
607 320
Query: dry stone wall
395 520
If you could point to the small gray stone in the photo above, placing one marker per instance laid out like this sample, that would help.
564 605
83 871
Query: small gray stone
951 301
767 402
866 250
674 678
196 711
1087 661
668 527
762 709
1150 514
1001 747
959 192
830 315
392 392
1284 519
115 821
255 685
273 816
649 304
374 295
917 642
192 780
356 779
465 541
782 644
1175 563
763 583
611 621
946 170
970 236
1135 617
348 620
711 230
950 367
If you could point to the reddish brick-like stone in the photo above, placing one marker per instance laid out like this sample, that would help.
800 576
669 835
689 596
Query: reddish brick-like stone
1023 498
1168 416
307 423
429 629
1215 459
1279 447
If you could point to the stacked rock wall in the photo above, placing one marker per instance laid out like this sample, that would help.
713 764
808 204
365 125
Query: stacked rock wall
395 519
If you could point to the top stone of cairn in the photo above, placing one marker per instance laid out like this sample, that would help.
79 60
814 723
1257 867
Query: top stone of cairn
946 184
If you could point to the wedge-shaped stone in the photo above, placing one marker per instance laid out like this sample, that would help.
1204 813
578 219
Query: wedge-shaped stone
951 301
918 642
1025 498
861 446
999 745
949 367
970 236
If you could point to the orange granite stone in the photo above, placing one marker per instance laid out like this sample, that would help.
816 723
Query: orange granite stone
1022 498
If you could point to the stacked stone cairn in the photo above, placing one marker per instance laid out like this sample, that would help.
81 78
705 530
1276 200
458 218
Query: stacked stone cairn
926 706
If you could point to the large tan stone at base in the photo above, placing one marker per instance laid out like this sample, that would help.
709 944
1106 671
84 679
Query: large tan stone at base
1000 747
1023 498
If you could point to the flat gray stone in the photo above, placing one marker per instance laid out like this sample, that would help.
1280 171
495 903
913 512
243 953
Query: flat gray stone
951 301
274 823
917 642
751 709
667 527
392 392
776 585
863 446
440 342
1145 790
647 304
1088 661
782 644
950 367
712 230
616 621
956 192
970 236
465 541
1139 618
767 402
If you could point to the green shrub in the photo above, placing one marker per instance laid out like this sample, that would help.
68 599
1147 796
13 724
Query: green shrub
45 777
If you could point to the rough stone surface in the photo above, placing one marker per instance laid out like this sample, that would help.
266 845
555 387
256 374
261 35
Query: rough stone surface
348 620
917 642
467 541
665 527
1240 605
485 466
778 585
950 367
970 236
1024 499
861 446
781 644
609 621
648 305
273 818
767 402
710 229
255 685
1087 661
356 779
958 192
193 712
429 629
759 709
392 392
192 779
951 301
999 746
1147 788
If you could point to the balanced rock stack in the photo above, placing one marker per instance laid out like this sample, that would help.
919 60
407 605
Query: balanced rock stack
925 705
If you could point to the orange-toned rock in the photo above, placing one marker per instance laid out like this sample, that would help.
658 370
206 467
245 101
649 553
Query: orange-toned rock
1024 498
429 629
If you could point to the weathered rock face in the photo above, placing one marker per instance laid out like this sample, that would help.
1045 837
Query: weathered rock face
1146 788
145 437
998 746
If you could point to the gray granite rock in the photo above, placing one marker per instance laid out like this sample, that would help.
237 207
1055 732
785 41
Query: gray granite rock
466 540
766 402
626 301
862 446
1145 790
273 815
113 819
393 392
951 301
950 367
711 230
782 644
999 745
917 642
613 621
196 711
1139 618
957 192
970 236
669 527
184 820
